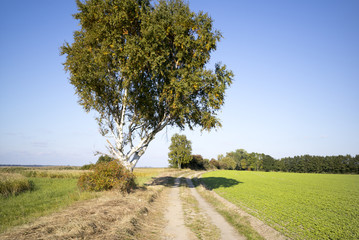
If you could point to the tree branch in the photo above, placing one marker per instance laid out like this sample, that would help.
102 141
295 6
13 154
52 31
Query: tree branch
114 152
120 123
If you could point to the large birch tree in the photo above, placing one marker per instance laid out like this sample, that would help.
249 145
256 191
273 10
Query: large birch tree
142 67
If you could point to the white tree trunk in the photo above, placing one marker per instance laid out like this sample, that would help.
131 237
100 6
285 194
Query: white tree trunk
130 159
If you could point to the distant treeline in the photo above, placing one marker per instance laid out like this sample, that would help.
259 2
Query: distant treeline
316 164
242 160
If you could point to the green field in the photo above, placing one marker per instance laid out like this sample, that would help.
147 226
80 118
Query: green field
300 205
48 195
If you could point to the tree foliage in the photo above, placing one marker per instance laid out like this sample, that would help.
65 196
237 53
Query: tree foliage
142 67
304 164
227 163
319 164
180 151
197 162
104 159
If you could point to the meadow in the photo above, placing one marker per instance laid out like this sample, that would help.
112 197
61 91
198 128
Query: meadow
300 205
52 189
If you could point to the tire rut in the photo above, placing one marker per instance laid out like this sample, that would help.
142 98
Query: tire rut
227 231
175 228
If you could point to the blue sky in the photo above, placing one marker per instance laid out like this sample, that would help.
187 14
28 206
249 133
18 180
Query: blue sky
296 88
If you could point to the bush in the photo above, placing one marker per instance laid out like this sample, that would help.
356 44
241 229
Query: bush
104 158
14 183
214 164
197 162
87 166
107 176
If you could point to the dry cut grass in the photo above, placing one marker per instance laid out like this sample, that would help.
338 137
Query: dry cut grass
112 216
13 183
138 215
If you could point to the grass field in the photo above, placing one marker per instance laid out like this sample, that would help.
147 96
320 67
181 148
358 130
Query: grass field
13 184
53 189
48 195
302 206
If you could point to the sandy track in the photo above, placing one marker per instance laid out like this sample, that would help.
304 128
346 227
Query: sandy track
227 231
175 228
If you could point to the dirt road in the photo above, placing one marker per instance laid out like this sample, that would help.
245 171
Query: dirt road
176 228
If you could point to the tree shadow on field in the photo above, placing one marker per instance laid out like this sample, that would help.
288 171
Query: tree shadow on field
218 182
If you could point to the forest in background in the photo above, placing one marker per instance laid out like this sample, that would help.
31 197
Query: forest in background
242 160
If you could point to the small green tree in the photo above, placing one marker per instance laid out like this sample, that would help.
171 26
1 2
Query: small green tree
180 151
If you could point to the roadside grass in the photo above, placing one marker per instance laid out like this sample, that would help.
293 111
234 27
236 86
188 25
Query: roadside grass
143 175
48 195
147 222
240 223
12 184
302 206
54 173
196 220
52 188
45 172
113 215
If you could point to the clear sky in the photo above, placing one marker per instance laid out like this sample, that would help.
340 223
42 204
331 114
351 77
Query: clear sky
296 88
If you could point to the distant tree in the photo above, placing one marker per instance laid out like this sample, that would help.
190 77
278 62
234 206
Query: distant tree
206 165
268 163
243 164
214 164
279 165
197 162
318 164
180 151
104 158
227 163
251 162
87 166
237 156
354 164
143 67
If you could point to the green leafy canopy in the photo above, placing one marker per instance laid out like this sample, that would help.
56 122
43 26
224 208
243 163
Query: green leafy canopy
143 66
180 151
